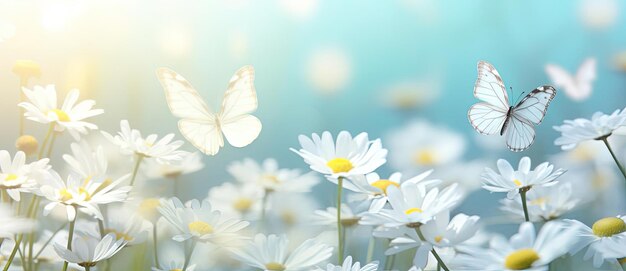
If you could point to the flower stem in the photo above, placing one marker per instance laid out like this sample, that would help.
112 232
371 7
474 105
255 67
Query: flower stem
156 245
439 260
70 237
87 268
620 166
23 83
370 249
264 200
339 230
136 168
54 137
13 252
45 141
522 193
189 253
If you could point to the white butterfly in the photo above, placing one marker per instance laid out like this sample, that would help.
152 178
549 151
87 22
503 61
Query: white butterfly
578 86
495 115
203 128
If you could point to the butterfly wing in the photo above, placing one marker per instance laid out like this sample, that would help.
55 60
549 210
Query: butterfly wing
489 116
533 107
197 123
239 127
520 134
585 76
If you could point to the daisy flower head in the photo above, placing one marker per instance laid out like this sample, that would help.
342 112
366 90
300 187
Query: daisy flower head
131 142
526 250
445 232
191 162
42 107
512 181
605 240
88 250
270 177
126 225
200 222
11 224
545 203
86 162
237 201
348 266
346 157
413 205
375 188
84 195
18 177
271 253
328 217
598 127
421 144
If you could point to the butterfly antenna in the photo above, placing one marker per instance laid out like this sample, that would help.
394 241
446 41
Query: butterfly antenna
520 96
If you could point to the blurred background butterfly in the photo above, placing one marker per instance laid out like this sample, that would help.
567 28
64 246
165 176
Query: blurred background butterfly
577 86
204 128
495 115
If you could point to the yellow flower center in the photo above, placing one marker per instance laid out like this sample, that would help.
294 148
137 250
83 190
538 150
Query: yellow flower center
339 165
176 269
348 222
242 204
539 201
413 210
271 178
517 182
119 235
10 177
200 228
521 259
61 115
274 266
288 218
148 208
65 195
424 157
383 184
438 238
608 226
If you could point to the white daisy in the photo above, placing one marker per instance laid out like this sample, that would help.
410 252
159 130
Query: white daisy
18 177
200 222
545 203
42 107
526 250
88 250
190 163
605 240
131 142
11 224
83 194
345 158
173 265
272 178
126 225
375 188
420 145
328 217
348 266
598 127
237 201
271 253
413 205
85 162
512 181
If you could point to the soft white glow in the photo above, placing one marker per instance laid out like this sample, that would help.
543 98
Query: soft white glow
329 70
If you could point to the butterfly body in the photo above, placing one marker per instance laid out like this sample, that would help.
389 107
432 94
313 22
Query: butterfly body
494 115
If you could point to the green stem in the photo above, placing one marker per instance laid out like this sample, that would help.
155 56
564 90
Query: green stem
370 249
156 245
620 166
522 193
54 137
13 252
339 230
136 168
439 260
189 253
87 268
23 83
45 141
69 239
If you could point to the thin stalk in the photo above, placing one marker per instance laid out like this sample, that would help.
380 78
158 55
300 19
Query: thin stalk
87 268
49 240
23 83
439 260
45 141
136 168
189 253
13 252
69 239
264 200
370 249
156 245
54 137
619 165
339 226
522 193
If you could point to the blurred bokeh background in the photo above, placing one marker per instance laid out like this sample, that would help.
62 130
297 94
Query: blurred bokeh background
373 66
